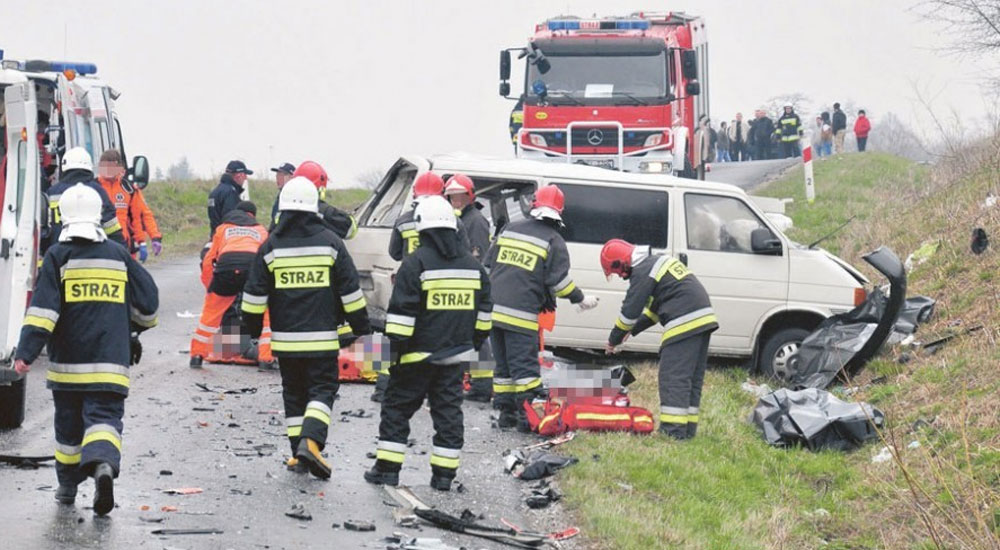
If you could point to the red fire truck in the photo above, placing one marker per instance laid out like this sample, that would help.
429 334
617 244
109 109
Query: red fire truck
619 92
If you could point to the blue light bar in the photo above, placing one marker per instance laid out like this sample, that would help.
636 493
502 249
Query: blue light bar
564 25
80 68
594 24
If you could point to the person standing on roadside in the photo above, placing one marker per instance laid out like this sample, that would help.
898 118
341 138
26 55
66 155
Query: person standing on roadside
738 134
760 135
839 124
226 194
722 152
282 174
862 127
789 129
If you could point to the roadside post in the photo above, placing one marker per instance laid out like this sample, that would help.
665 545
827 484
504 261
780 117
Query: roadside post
807 164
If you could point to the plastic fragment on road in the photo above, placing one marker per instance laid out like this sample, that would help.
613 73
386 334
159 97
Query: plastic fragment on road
186 314
298 511
208 531
504 535
183 491
921 254
565 534
815 419
358 525
535 465
399 541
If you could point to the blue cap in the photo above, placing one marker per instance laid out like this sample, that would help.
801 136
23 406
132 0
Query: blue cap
238 167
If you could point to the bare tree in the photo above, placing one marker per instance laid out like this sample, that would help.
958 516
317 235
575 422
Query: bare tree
974 25
369 179
180 171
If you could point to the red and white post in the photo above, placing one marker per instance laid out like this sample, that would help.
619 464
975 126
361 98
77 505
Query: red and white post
807 164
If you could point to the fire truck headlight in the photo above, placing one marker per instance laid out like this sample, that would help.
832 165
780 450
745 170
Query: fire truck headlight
653 140
652 167
537 140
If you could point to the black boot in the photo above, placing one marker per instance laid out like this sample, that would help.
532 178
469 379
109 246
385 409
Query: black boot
692 429
196 361
104 495
381 383
675 431
383 473
66 494
441 478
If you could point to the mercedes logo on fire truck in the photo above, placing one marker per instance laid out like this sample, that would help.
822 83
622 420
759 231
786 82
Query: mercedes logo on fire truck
595 136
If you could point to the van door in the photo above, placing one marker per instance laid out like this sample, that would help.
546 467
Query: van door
594 214
19 218
714 233
370 248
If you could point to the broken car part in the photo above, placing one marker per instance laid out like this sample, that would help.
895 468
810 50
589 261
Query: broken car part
815 419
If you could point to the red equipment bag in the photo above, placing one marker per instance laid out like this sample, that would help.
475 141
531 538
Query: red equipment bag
553 418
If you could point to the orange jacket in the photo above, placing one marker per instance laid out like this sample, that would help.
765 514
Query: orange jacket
239 232
132 211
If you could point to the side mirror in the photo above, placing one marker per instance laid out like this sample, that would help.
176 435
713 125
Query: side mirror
762 241
140 172
689 64
505 65
505 89
692 88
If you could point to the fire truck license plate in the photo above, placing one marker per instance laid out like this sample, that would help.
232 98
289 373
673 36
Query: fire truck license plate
600 163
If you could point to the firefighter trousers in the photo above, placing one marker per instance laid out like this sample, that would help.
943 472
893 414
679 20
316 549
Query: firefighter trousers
212 312
409 384
517 376
309 386
682 373
88 431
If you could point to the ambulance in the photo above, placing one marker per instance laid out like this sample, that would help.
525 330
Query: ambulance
48 108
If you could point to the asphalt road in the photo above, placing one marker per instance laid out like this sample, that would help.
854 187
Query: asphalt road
232 446
749 175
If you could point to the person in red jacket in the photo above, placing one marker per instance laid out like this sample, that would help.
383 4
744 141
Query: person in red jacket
862 126
224 271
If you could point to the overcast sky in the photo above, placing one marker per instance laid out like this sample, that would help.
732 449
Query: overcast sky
355 84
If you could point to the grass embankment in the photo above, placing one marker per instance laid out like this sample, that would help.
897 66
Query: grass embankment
181 209
728 489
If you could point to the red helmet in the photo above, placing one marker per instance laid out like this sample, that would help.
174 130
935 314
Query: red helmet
459 184
616 258
550 196
428 184
313 172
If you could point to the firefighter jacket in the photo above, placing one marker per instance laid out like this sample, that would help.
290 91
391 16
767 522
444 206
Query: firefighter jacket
440 306
109 219
341 223
88 298
662 290
478 229
529 268
234 244
305 277
788 127
131 210
221 200
405 240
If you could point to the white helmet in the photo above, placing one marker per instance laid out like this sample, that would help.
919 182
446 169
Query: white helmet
77 158
299 194
434 212
80 208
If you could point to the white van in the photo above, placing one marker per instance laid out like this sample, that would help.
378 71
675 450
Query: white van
768 291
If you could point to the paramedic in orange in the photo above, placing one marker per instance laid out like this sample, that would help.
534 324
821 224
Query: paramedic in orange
130 207
224 270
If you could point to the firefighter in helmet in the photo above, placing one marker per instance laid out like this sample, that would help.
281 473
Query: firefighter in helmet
341 223
305 278
439 315
89 298
662 290
529 268
78 167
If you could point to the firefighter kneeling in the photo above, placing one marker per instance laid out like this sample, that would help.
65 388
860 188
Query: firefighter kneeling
662 290
224 271
304 276
439 315
90 296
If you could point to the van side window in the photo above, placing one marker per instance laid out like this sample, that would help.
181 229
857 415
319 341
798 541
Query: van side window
503 200
594 214
717 223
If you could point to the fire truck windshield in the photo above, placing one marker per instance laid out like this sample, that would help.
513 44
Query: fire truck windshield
598 78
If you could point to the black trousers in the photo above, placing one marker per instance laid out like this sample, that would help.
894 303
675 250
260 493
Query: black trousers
309 386
862 143
408 386
88 431
481 372
682 374
517 376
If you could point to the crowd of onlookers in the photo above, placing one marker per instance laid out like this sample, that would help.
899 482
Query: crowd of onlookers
765 138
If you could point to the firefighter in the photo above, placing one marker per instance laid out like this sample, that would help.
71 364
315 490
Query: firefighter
460 190
130 207
282 174
227 194
516 121
78 167
663 290
789 128
529 267
224 271
438 316
304 276
341 223
90 295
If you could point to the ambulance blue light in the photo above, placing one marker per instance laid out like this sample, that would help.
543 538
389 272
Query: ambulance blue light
564 25
80 68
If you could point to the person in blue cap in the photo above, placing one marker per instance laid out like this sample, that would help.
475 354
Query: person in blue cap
226 195
282 174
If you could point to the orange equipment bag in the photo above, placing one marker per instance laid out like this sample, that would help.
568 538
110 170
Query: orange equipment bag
553 418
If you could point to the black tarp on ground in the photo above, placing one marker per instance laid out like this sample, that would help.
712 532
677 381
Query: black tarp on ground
815 419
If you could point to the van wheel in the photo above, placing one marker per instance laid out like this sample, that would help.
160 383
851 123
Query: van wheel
775 355
12 403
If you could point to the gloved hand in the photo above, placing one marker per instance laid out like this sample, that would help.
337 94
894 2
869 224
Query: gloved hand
589 302
21 367
143 252
157 246
135 350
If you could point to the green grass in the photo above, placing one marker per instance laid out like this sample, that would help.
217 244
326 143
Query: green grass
181 209
728 489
